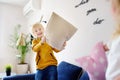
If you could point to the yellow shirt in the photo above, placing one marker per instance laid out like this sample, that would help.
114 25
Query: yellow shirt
44 56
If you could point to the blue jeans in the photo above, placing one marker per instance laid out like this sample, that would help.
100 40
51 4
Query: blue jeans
49 73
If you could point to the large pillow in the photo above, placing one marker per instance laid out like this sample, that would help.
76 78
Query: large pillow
58 31
95 63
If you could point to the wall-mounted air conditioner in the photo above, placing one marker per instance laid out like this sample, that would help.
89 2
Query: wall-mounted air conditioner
28 8
31 6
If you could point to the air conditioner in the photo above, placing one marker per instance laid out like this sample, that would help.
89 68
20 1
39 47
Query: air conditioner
28 8
31 6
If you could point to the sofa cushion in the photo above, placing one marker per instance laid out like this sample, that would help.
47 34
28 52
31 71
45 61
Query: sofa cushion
67 71
84 76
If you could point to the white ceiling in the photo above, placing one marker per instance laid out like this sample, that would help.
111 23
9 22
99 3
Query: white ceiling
15 2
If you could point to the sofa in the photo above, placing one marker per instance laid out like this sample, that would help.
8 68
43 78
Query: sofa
66 71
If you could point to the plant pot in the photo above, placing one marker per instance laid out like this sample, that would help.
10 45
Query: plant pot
8 73
22 68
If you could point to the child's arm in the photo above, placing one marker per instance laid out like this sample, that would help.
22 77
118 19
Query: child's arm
56 50
36 45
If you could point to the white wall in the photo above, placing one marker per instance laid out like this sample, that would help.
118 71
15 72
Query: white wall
88 34
10 16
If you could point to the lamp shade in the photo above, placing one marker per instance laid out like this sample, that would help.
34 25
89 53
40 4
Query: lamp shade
21 40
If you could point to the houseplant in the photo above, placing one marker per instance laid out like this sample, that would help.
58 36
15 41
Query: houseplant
8 69
23 46
21 43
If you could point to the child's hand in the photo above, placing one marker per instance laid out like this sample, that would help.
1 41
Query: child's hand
43 39
105 47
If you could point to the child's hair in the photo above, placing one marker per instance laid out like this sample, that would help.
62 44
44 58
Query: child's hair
116 33
36 25
117 30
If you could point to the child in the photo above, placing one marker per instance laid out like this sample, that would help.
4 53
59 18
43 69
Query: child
113 69
46 62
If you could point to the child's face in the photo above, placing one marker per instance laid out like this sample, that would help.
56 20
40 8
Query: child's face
38 32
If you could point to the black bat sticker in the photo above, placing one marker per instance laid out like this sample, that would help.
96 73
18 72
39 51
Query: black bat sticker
98 21
91 10
81 3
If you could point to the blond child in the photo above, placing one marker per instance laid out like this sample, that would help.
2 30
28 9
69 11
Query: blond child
113 69
46 63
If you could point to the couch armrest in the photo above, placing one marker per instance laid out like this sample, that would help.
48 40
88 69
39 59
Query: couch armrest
21 77
67 71
84 76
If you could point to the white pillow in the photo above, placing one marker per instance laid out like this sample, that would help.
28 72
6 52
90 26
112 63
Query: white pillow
58 31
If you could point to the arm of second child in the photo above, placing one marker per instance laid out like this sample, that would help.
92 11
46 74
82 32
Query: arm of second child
113 69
